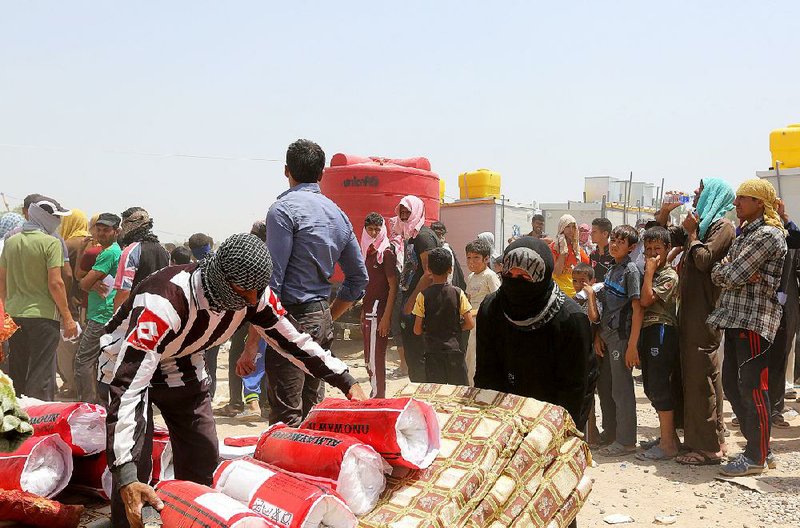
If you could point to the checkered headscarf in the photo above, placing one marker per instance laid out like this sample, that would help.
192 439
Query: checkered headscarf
242 260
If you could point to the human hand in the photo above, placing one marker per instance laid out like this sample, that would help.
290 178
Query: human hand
563 247
599 346
651 265
385 326
134 496
690 223
662 216
632 357
589 291
70 329
755 278
780 206
101 288
246 364
409 306
356 393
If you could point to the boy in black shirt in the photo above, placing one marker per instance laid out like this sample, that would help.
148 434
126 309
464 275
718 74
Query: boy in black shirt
442 312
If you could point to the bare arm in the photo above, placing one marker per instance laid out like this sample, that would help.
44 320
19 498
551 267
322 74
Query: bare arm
632 353
424 281
469 321
120 297
418 325
558 266
648 296
594 313
385 324
59 294
339 307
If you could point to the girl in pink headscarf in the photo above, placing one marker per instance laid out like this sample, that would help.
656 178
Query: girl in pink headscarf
567 253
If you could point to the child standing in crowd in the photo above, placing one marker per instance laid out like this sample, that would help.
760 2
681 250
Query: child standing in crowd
583 282
601 259
567 253
658 351
481 281
376 313
620 325
439 310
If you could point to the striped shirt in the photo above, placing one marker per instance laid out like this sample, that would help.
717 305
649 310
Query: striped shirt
157 337
760 249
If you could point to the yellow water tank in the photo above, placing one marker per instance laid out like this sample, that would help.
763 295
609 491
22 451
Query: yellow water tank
441 189
482 183
784 143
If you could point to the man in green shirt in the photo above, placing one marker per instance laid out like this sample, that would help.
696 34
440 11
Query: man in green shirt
34 294
100 307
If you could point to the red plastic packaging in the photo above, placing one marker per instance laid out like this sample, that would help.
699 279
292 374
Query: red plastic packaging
81 425
41 465
162 457
404 431
282 497
341 462
192 505
91 474
33 510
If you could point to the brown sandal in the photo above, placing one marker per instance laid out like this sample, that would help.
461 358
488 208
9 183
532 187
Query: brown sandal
695 458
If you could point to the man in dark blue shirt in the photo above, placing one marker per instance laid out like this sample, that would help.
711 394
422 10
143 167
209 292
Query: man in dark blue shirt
307 234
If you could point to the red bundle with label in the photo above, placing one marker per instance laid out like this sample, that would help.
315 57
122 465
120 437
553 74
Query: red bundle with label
351 468
33 510
192 505
91 474
41 465
81 425
281 497
404 431
162 457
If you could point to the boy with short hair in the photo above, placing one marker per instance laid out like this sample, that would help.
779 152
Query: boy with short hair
480 282
658 350
583 282
439 310
620 326
601 258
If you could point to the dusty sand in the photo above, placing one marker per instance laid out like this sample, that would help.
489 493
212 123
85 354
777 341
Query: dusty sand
642 490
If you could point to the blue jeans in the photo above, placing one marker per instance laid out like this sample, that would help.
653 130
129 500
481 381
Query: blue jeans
252 382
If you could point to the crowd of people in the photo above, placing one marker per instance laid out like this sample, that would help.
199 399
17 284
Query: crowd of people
127 322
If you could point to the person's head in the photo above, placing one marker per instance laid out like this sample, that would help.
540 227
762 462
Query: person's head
201 245
527 285
755 198
75 225
657 243
237 275
584 231
478 252
305 161
136 226
440 263
47 214
537 225
582 275
106 229
568 226
29 200
411 213
677 236
440 230
180 255
9 222
601 230
373 224
259 229
623 240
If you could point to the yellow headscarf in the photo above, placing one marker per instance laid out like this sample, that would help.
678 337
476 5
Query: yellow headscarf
764 191
74 225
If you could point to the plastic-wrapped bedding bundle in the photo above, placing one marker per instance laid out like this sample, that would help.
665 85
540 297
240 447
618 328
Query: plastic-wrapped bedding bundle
42 465
91 474
163 468
33 510
190 505
404 431
237 447
81 425
282 497
351 468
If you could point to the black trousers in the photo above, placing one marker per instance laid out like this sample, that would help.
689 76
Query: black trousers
32 358
291 392
414 348
745 373
661 368
237 348
448 367
193 435
778 357
211 356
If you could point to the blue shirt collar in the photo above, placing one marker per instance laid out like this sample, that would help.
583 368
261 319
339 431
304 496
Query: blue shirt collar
308 187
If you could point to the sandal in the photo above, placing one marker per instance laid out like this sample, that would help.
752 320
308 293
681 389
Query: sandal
647 444
654 453
780 422
695 458
617 449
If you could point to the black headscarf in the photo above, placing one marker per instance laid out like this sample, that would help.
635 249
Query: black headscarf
529 304
242 260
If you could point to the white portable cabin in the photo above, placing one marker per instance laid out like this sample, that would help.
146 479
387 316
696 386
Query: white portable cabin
787 183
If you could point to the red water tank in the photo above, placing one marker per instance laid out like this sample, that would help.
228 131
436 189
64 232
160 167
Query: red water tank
361 185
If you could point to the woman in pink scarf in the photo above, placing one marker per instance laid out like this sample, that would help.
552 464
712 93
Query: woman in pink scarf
567 253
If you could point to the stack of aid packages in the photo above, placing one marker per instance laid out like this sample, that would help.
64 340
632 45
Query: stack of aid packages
454 456
67 449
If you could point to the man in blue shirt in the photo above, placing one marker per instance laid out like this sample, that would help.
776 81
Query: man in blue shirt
307 234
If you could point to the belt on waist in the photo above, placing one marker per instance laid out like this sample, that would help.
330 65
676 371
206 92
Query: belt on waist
304 308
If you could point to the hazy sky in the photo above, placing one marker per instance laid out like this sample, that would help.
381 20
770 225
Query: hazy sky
543 92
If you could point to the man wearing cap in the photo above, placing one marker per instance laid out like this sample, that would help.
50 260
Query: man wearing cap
100 307
34 294
749 312
160 334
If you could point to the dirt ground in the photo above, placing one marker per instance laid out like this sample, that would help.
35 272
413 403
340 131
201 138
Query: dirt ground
641 490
